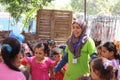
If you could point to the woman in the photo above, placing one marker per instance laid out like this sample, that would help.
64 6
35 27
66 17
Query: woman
11 56
79 49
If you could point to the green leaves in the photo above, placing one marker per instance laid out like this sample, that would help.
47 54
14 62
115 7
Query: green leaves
17 8
94 7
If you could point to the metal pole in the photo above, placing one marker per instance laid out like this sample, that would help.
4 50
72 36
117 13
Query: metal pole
84 10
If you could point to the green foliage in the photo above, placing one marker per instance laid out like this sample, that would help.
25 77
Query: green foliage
27 7
94 7
116 8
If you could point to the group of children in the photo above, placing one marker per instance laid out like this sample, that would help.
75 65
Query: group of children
40 66
105 67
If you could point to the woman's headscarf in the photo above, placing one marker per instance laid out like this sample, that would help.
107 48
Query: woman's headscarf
75 43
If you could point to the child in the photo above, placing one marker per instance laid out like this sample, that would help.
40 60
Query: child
102 69
57 57
40 66
51 44
24 66
11 56
109 51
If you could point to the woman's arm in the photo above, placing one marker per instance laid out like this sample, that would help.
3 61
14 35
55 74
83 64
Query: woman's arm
61 63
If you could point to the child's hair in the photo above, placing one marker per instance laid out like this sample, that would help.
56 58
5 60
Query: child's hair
97 42
56 51
104 68
110 46
99 47
51 42
46 48
9 49
40 45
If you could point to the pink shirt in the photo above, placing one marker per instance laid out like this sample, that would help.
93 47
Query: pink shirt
40 71
8 74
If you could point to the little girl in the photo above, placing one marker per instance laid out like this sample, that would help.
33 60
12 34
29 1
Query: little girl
109 51
40 66
102 69
11 58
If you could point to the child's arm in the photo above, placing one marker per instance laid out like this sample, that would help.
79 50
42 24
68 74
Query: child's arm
51 74
25 63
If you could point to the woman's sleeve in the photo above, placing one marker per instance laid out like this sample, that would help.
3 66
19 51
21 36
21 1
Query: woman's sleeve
91 48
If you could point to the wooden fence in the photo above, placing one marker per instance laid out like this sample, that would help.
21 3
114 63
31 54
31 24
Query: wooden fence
54 24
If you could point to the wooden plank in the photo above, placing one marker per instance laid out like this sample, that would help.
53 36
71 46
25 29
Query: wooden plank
65 28
61 34
44 28
60 38
44 32
62 12
44 20
61 22
62 25
58 31
44 36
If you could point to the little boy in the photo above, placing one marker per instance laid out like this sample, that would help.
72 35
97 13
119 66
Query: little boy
57 57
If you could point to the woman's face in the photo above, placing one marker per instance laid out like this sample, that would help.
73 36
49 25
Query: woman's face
76 30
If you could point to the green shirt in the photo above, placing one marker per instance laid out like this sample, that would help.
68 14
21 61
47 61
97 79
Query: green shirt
75 70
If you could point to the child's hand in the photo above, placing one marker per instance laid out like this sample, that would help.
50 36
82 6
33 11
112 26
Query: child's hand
28 66
62 70
52 76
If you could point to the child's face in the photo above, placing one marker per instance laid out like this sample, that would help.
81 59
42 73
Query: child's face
106 53
39 53
57 57
17 61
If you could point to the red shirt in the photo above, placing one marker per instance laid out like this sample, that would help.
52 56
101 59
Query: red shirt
59 75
